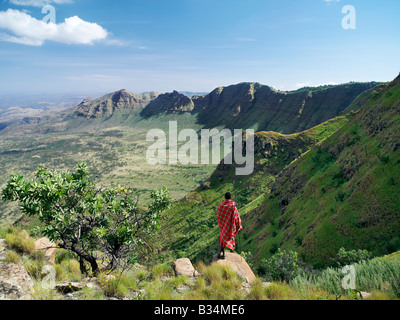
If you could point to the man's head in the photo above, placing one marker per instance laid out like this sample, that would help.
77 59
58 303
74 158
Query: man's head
228 196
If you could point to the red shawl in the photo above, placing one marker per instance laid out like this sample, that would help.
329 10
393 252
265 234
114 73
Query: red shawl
229 223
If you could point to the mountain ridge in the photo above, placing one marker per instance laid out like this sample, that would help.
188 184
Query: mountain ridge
106 105
243 105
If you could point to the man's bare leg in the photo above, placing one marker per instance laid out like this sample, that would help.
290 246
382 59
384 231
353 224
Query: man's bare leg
222 252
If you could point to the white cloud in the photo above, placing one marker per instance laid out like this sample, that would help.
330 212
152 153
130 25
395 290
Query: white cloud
38 3
27 30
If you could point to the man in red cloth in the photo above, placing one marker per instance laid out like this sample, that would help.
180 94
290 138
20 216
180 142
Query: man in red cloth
229 224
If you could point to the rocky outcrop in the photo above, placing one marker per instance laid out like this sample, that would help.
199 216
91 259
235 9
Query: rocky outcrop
238 264
15 283
108 104
183 267
49 248
169 103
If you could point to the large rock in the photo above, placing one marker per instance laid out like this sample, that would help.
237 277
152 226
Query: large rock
48 247
238 264
183 267
15 282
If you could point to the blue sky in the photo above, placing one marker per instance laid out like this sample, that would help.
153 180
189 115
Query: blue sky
194 45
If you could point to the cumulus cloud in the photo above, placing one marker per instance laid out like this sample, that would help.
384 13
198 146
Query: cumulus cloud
38 3
27 30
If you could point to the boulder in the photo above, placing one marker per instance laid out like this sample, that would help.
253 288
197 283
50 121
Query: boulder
183 267
48 247
238 264
15 282
364 295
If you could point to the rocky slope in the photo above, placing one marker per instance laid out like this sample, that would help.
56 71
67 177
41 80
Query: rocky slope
120 100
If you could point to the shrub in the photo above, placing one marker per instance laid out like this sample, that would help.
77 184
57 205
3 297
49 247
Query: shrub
34 268
161 270
282 266
69 203
13 257
20 241
345 258
117 286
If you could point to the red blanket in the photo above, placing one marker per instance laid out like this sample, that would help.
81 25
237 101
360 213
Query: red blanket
229 223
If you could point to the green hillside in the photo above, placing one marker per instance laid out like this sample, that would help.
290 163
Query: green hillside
190 228
341 192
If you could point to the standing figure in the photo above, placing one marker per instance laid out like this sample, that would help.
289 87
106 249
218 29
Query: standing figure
229 224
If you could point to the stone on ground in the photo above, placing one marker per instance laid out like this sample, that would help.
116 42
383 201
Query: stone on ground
183 267
238 264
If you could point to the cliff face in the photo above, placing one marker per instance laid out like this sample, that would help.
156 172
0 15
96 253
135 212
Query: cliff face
252 105
256 106
343 192
108 104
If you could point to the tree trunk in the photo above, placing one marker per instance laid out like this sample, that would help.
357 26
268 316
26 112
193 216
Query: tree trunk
85 256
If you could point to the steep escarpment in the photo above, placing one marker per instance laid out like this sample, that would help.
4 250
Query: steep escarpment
252 105
244 105
108 104
342 193
190 227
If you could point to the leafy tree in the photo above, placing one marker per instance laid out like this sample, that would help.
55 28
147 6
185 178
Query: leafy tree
96 224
